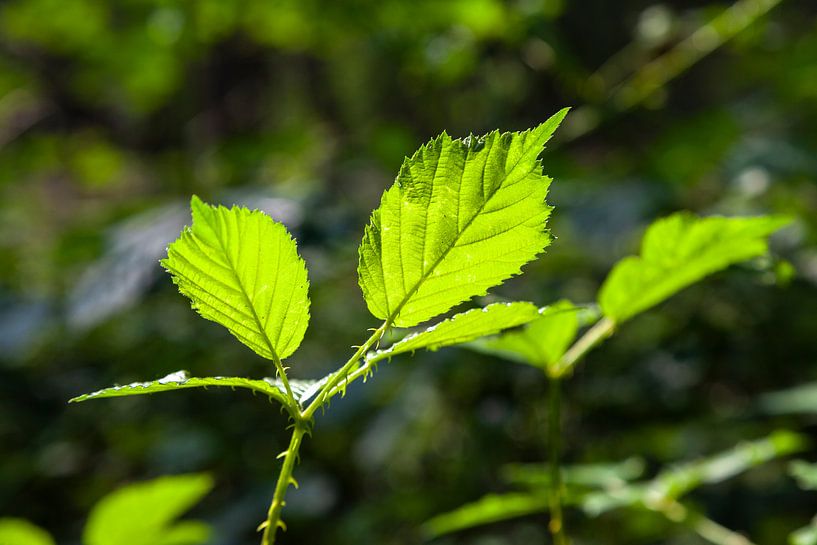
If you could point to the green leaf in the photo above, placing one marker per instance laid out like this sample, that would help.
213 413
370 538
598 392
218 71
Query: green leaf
491 508
462 216
180 380
463 327
14 531
805 473
678 251
242 269
540 343
145 513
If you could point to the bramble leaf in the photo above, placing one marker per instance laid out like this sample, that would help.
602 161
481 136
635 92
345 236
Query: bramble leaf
145 513
14 531
462 216
540 343
180 380
241 269
678 251
462 328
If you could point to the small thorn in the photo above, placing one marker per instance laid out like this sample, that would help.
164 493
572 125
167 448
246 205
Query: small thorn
262 526
282 455
281 525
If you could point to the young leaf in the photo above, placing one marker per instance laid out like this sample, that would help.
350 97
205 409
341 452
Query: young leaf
242 269
491 508
678 251
540 343
463 327
145 513
15 531
180 380
462 216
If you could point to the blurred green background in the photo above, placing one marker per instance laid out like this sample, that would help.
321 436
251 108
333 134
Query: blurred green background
113 113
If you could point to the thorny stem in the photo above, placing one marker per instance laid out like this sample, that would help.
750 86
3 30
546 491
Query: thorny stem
343 373
273 521
556 525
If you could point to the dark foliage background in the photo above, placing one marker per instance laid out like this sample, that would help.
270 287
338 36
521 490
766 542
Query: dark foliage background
113 113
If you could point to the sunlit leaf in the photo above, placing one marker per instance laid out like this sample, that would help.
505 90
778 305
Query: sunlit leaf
541 343
463 216
14 531
242 269
463 328
491 508
145 513
180 380
678 251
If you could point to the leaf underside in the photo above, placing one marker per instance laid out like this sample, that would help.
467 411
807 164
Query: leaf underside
678 251
540 343
181 380
241 269
145 513
463 216
463 327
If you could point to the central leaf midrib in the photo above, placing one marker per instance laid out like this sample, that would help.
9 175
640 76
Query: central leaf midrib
243 291
445 252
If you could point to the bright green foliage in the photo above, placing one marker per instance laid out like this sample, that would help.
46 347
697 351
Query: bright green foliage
146 513
805 473
21 532
491 508
542 342
180 380
242 269
462 217
678 251
463 328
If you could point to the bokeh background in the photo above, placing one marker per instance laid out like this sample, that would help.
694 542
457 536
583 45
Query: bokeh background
113 113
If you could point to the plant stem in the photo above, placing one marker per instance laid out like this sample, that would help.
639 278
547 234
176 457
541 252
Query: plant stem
273 521
592 337
343 373
556 525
